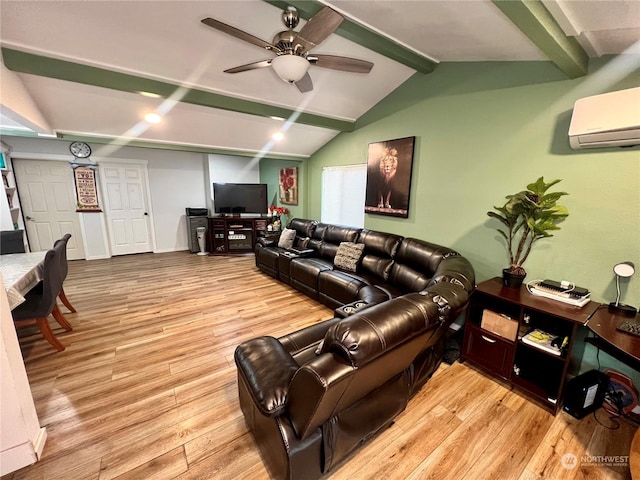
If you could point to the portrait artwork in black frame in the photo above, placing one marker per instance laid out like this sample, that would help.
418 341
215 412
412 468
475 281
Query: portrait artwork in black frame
389 167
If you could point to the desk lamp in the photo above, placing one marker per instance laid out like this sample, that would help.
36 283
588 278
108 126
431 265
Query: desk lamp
625 270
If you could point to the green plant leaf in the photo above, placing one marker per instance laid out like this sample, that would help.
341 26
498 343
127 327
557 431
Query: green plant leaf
529 215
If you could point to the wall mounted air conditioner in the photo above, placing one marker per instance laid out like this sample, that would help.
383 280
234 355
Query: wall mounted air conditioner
607 120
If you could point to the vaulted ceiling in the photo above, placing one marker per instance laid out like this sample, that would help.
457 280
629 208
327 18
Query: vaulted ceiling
84 68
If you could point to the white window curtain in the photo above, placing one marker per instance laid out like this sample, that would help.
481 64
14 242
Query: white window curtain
343 195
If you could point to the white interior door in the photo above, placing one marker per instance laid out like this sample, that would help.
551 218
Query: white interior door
125 201
48 201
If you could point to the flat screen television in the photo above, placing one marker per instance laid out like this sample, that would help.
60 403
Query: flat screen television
238 198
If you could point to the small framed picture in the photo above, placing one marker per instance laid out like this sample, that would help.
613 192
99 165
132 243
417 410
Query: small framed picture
288 187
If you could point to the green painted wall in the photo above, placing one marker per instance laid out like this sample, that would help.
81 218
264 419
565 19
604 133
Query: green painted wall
270 174
484 130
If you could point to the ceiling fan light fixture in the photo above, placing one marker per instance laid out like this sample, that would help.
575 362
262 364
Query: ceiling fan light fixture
290 68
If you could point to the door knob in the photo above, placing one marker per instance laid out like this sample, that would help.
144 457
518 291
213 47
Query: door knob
146 213
29 218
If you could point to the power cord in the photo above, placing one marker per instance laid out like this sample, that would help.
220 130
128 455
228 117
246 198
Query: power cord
612 403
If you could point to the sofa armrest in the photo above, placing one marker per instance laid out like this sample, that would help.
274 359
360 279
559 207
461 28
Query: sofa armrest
267 242
266 369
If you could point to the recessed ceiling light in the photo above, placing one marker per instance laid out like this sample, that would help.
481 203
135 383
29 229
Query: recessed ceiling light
152 118
149 94
277 136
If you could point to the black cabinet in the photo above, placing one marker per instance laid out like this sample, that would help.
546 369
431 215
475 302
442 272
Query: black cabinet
497 338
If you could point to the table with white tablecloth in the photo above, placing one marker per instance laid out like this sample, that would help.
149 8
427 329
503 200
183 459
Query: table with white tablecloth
21 272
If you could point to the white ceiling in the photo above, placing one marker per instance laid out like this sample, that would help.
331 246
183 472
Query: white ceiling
164 40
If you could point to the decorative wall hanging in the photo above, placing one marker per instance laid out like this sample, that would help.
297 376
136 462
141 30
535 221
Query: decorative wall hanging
389 167
289 185
86 190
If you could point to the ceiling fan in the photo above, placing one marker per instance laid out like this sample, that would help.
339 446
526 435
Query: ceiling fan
293 59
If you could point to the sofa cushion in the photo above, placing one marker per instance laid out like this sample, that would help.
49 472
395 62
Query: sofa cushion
305 228
304 272
287 237
415 263
337 233
348 256
380 244
341 287
379 250
378 266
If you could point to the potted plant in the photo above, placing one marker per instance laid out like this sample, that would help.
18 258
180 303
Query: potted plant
526 217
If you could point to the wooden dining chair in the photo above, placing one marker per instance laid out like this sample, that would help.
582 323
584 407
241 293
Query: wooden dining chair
40 302
64 267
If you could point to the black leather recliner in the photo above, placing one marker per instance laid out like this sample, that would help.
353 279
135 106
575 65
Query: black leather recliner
312 397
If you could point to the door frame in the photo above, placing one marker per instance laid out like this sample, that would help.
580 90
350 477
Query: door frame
95 252
147 196
40 157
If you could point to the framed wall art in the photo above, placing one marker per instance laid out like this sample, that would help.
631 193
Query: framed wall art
288 185
86 190
389 167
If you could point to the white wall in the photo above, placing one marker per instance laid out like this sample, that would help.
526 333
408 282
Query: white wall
176 180
21 437
176 183
230 169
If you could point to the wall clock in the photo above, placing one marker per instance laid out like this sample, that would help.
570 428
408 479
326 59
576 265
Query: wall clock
80 149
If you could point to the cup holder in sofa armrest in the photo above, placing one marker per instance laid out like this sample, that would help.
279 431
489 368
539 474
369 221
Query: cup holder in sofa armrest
450 298
266 369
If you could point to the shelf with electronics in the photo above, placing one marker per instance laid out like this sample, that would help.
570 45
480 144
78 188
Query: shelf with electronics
233 234
525 340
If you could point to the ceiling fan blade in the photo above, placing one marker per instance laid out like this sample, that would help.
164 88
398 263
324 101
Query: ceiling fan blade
346 64
235 32
249 66
318 28
305 84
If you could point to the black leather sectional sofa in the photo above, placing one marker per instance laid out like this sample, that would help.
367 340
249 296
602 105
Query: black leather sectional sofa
314 396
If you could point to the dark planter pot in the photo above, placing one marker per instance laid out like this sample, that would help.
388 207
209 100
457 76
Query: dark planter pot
511 280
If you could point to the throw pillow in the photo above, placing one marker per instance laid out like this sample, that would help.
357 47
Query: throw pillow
348 256
287 237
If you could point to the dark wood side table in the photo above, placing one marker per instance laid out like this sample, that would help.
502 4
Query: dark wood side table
537 373
620 345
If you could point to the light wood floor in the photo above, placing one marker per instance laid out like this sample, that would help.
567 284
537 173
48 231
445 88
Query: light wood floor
146 388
